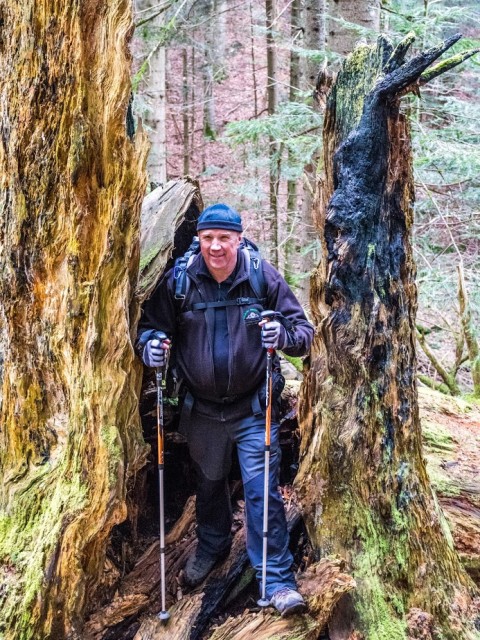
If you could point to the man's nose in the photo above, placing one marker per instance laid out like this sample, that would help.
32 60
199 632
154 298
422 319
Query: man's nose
215 246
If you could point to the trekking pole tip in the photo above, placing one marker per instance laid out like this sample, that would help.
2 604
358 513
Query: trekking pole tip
263 603
163 616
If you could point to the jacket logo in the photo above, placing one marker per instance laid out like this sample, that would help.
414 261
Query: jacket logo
252 317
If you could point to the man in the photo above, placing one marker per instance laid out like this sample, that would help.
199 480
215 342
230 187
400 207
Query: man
221 359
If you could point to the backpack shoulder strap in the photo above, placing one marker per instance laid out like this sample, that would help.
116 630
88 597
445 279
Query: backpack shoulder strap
180 275
255 266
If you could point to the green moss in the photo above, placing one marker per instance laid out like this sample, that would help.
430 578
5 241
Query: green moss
381 616
29 534
110 438
467 403
381 562
436 437
297 362
147 257
359 76
209 133
440 480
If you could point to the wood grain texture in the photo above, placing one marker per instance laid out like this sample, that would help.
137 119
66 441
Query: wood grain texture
72 183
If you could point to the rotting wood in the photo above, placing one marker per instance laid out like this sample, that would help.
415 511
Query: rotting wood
192 611
452 449
164 211
140 588
322 585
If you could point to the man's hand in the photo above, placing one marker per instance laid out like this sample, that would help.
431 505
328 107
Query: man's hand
274 335
155 352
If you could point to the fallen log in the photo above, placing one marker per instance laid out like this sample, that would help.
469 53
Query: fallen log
213 592
451 439
168 223
140 589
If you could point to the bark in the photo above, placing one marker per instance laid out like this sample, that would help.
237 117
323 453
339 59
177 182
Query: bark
157 116
341 36
254 65
292 191
191 612
362 479
314 37
305 238
323 584
185 114
72 184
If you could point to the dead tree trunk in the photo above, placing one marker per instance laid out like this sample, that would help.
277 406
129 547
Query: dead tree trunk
362 479
72 185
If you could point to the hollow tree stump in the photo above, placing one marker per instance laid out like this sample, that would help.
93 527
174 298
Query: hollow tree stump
362 481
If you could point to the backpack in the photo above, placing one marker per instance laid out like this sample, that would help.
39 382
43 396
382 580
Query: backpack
254 262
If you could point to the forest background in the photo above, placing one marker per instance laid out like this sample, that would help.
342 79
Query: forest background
232 94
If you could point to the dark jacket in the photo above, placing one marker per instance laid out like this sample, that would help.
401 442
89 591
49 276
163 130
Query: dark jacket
192 331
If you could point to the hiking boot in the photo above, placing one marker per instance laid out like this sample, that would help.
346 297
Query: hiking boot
287 601
198 567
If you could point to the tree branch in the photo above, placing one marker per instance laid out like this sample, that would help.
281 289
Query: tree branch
446 65
470 339
409 72
448 379
398 56
162 9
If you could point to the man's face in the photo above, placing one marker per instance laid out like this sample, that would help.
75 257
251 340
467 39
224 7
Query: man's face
219 250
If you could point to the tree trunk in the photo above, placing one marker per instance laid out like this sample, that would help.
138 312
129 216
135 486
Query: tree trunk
72 184
473 348
341 37
157 116
314 39
274 150
208 74
291 255
305 236
362 478
185 113
151 43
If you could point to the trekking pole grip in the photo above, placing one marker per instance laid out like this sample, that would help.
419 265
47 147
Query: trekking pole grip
268 316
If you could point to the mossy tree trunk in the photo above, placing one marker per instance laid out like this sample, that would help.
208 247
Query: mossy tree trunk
362 479
72 184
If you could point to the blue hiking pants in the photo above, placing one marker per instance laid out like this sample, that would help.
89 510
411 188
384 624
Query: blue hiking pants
211 443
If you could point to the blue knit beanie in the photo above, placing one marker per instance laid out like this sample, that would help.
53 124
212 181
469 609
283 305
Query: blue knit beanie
220 216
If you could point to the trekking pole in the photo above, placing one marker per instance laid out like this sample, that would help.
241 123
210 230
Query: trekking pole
163 615
264 602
